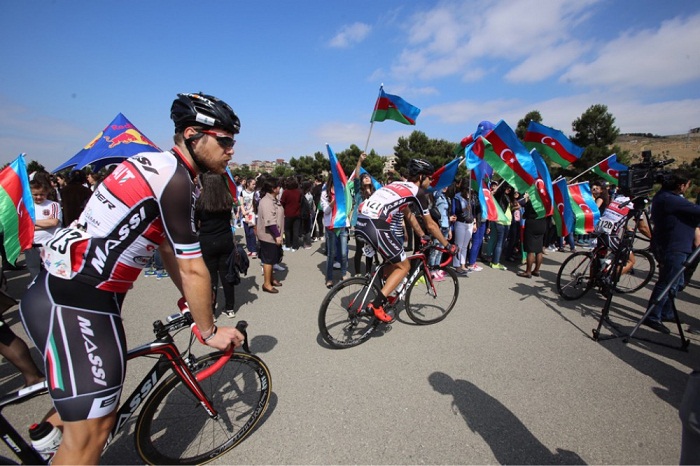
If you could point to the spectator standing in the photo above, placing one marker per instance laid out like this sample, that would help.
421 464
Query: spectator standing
48 220
75 195
464 226
336 237
291 202
213 218
247 199
308 213
533 242
499 228
442 206
362 190
269 231
317 230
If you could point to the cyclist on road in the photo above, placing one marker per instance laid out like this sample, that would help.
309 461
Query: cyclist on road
72 310
374 226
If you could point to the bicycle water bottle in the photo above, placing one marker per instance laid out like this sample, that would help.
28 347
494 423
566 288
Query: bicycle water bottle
45 439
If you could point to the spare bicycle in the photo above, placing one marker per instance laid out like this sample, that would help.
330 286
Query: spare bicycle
344 320
207 406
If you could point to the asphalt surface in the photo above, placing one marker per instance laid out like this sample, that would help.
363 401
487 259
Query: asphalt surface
512 376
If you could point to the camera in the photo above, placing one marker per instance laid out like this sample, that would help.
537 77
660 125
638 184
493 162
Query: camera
639 178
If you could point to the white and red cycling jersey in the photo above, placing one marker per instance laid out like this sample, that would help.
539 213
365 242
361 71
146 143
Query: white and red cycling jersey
612 221
147 199
387 200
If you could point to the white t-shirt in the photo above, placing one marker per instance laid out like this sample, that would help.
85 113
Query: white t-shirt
45 211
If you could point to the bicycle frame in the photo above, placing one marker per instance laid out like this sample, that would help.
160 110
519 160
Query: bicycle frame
170 358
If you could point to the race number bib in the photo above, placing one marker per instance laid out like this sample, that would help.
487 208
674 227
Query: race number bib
57 252
605 226
368 251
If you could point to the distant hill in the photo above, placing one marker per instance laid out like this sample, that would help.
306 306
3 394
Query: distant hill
682 147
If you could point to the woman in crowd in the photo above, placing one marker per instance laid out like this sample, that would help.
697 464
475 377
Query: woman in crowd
336 236
499 228
74 196
213 217
442 206
534 239
248 213
269 230
93 179
291 202
308 213
363 189
464 226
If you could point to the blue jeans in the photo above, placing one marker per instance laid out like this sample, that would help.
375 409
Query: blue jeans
500 239
341 234
477 239
251 241
672 263
435 255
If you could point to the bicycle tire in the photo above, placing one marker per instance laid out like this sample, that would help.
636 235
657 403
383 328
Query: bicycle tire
640 275
574 278
425 306
174 428
341 317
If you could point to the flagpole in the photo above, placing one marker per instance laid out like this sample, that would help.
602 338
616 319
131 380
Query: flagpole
582 173
381 86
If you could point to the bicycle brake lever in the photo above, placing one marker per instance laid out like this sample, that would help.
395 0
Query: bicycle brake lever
242 327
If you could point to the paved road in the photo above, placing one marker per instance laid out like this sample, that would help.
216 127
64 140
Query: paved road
511 376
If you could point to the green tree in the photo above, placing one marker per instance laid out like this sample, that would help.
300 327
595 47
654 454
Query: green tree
307 166
521 129
419 146
35 166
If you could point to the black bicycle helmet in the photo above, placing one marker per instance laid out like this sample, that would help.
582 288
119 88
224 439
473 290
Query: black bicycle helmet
203 110
418 167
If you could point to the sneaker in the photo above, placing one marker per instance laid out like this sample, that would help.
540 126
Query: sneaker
475 268
285 248
150 272
279 267
162 274
253 255
498 267
293 250
379 313
229 313
336 265
561 250
438 275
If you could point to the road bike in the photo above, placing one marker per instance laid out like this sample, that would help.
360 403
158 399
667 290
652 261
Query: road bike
343 318
583 270
203 409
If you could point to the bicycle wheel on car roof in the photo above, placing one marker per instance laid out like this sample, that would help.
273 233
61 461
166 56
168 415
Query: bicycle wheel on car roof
174 427
429 300
575 276
342 317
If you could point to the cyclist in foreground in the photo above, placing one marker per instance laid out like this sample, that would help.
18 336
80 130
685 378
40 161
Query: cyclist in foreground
374 226
72 310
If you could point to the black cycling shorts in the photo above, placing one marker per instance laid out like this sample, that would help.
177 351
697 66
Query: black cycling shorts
78 330
378 234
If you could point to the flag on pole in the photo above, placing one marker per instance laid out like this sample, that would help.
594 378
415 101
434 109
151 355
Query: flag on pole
16 209
609 169
341 188
445 175
490 210
586 213
508 157
393 107
542 189
231 185
552 143
563 214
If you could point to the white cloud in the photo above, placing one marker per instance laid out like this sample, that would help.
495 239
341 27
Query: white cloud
350 35
662 57
341 135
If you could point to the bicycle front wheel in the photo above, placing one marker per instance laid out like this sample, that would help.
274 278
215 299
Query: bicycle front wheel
429 301
174 428
575 275
639 275
342 319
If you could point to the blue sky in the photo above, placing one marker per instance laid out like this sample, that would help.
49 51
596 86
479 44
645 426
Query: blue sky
304 73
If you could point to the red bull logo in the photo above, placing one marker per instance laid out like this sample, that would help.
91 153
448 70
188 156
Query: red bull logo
127 137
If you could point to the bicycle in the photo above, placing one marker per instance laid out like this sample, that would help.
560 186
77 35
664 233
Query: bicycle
344 320
584 269
206 407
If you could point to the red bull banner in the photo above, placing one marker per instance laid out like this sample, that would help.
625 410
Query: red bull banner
118 141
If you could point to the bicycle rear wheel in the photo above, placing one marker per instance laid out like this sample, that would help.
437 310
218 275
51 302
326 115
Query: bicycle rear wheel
428 304
575 276
342 319
639 275
174 428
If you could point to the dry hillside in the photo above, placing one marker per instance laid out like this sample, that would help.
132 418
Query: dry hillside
682 147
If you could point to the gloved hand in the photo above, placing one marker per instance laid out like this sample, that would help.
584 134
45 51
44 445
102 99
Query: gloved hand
425 240
452 249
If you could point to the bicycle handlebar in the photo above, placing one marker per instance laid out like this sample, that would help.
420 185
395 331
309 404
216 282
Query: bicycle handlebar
427 247
241 326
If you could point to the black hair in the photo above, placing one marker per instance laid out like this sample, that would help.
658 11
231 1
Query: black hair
215 196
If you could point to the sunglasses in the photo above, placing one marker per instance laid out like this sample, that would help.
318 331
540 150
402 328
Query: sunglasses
226 142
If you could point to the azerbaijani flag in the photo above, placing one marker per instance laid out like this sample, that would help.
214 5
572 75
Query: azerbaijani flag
490 210
552 143
609 169
343 196
563 215
445 175
542 188
586 213
508 157
16 209
393 107
231 185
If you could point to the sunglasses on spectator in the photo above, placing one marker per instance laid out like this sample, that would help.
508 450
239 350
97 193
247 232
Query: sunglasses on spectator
226 142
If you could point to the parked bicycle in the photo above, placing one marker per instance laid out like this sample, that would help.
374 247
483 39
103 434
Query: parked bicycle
206 407
344 320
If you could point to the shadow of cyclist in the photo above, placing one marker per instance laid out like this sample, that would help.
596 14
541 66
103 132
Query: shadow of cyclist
509 439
